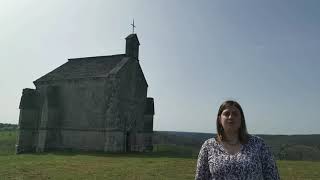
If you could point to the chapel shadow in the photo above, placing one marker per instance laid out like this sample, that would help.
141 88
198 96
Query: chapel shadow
166 154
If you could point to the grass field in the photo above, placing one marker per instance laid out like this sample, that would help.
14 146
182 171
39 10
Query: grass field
166 163
7 142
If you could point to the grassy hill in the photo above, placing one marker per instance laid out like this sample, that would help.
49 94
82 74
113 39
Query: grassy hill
166 162
7 142
284 147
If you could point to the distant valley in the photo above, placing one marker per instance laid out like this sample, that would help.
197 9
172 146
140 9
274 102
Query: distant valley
284 147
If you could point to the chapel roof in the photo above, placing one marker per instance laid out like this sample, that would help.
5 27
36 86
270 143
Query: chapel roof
77 68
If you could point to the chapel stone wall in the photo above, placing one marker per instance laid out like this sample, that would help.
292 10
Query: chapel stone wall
76 115
28 121
133 92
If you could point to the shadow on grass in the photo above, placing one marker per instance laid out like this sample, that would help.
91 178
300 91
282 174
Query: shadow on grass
122 154
159 151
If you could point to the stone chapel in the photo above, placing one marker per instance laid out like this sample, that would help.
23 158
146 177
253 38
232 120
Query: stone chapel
90 103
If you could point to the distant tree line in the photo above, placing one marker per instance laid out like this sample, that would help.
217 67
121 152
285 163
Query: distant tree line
8 127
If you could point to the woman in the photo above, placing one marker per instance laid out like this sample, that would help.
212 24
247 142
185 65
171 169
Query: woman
234 154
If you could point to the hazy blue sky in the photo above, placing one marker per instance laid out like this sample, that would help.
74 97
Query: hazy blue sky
195 55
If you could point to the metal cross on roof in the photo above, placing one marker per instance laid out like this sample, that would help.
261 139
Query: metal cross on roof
133 26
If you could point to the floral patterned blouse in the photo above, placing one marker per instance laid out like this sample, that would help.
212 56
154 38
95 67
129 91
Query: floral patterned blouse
254 161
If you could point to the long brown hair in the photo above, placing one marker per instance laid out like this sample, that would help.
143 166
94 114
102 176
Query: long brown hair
243 133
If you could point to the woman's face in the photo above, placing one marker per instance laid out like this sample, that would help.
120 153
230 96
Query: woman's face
230 119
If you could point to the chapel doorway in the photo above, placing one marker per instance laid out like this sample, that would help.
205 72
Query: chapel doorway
128 141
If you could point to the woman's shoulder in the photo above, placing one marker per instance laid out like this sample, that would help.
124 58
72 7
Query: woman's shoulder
210 142
255 140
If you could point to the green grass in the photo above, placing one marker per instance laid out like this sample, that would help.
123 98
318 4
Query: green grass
169 162
122 166
295 170
95 166
7 142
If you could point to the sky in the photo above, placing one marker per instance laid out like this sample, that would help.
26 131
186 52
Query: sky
194 54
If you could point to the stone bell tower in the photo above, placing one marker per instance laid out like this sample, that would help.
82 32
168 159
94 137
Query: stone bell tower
132 46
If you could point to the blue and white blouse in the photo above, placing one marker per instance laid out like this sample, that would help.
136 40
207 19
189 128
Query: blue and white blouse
254 161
